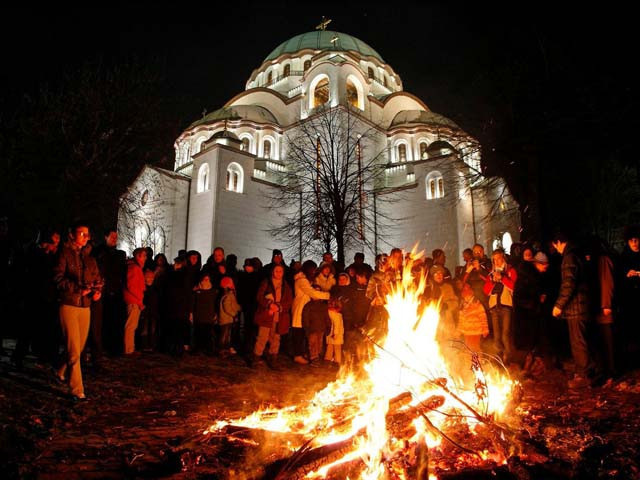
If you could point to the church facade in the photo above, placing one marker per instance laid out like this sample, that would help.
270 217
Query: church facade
229 162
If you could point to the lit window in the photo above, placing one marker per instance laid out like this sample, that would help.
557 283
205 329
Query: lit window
402 152
287 70
307 65
269 78
423 150
321 93
435 185
370 73
352 94
235 178
507 241
266 148
245 144
203 178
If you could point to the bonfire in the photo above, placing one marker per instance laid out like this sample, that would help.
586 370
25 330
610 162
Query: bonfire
417 407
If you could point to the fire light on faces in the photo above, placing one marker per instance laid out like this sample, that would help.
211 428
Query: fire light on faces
408 371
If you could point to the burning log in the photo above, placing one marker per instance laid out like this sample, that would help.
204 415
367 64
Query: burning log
309 459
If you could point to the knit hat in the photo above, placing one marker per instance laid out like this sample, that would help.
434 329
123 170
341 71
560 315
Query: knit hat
541 258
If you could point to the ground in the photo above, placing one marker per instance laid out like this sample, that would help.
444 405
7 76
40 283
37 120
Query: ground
145 417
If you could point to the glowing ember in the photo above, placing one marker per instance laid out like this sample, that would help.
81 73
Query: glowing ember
412 371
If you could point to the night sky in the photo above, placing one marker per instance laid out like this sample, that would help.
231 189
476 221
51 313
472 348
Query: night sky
537 85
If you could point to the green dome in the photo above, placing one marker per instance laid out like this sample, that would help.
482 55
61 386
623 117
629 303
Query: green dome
321 40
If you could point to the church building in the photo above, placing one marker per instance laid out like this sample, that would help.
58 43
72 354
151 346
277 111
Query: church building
228 163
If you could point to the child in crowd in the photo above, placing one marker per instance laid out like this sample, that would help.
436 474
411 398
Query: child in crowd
151 313
472 319
229 310
325 278
203 314
335 339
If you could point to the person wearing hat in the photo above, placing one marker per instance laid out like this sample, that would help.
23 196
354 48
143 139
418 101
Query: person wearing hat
439 290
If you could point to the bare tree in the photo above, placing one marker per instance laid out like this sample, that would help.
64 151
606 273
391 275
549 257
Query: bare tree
334 175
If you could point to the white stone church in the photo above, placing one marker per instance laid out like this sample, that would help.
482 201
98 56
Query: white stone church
228 161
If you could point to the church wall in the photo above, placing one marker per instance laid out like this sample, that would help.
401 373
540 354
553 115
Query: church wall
430 224
242 219
201 205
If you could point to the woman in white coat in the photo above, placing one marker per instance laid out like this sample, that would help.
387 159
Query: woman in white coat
304 292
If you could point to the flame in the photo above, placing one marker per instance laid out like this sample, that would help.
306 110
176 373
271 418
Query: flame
409 359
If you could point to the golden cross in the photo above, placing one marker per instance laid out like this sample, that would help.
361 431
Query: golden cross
323 24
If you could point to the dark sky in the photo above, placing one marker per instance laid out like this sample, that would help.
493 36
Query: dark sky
538 80
211 48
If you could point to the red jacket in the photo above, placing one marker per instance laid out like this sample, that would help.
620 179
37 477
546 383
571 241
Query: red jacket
509 277
262 316
135 286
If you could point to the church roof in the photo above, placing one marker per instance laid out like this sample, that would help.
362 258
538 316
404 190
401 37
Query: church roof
255 113
321 40
420 116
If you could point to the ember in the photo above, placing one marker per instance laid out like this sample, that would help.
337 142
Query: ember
418 406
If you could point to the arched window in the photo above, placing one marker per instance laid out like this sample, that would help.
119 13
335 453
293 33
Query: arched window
287 70
320 91
266 148
355 95
245 146
423 150
203 178
235 178
370 73
435 185
384 81
269 78
402 152
307 65
507 241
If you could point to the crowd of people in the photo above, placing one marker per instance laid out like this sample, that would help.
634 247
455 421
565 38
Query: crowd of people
92 301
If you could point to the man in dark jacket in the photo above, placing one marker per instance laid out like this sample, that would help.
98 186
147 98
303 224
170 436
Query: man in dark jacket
107 314
572 304
41 326
79 282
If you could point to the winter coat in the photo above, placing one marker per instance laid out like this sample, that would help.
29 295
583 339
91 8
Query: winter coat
134 288
528 287
355 307
75 270
472 318
501 293
229 308
573 298
178 297
629 286
606 286
266 292
315 317
303 293
113 268
203 306
325 283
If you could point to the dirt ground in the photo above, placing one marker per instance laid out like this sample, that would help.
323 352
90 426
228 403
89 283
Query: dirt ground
145 415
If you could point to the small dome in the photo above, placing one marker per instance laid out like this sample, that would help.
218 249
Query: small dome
224 134
254 113
421 116
321 40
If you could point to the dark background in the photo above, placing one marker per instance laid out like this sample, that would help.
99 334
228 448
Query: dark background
89 94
